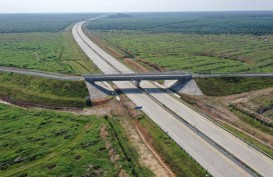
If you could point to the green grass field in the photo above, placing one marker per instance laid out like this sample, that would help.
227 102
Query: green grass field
203 42
43 91
45 143
229 86
196 53
52 52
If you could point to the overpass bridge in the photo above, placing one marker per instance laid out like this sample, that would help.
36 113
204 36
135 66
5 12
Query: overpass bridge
138 77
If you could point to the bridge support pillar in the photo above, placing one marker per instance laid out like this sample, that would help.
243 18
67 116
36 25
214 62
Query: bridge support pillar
138 83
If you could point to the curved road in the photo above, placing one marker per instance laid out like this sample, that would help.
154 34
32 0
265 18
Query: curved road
208 156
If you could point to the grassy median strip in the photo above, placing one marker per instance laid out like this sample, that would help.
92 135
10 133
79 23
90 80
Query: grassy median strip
177 159
248 139
42 91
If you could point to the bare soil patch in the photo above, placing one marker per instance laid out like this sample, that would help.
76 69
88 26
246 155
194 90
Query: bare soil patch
152 65
7 99
101 101
138 67
147 157
255 102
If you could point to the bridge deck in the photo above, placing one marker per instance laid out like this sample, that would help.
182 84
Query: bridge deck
137 76
163 76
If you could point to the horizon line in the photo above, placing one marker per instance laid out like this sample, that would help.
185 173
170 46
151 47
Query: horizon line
136 12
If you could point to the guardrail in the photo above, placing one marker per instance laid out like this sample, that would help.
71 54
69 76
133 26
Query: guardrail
214 122
211 120
232 75
240 163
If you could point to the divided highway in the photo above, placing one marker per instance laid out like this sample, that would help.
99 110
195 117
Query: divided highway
208 155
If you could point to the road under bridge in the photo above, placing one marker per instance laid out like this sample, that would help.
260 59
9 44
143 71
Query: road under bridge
138 77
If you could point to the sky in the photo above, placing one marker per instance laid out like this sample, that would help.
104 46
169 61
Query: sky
51 6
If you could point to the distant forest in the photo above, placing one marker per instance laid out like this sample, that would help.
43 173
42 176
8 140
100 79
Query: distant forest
256 22
21 23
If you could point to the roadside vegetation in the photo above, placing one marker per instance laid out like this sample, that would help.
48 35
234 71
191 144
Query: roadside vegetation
131 154
264 148
250 119
232 85
261 104
38 91
181 163
45 143
236 114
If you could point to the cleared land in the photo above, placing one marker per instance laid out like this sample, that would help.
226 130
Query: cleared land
52 52
232 85
25 90
194 42
194 52
44 143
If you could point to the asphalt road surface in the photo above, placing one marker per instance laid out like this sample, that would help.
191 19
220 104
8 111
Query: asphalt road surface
203 152
40 74
233 75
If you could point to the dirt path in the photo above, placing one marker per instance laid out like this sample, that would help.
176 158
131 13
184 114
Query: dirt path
147 157
36 54
3 102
